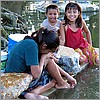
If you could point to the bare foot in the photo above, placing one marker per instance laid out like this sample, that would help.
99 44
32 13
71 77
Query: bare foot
83 60
35 96
64 86
97 62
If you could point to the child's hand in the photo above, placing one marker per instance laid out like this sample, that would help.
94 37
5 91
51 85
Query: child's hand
54 58
63 22
72 81
48 55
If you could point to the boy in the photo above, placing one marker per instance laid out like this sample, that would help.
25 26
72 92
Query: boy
52 23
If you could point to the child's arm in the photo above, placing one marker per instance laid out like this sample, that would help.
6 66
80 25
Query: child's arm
88 34
62 33
44 59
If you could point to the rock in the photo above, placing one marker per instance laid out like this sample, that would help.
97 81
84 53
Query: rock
13 84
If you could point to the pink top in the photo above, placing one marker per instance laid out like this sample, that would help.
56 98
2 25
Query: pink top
75 39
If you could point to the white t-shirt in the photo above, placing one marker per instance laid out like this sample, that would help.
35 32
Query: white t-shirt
47 25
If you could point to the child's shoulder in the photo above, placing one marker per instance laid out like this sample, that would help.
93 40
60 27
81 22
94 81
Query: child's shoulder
45 20
83 23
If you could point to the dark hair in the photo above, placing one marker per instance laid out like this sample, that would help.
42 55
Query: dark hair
73 5
52 7
42 35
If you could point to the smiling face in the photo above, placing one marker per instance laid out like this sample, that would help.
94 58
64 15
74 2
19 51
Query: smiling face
72 14
52 15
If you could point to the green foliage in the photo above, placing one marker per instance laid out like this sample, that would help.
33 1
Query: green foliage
94 28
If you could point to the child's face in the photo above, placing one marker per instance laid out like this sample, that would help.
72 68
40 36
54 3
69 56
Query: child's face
72 14
52 15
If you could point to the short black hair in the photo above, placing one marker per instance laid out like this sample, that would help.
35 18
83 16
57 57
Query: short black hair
52 6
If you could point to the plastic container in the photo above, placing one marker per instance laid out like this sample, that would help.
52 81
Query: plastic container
3 60
13 39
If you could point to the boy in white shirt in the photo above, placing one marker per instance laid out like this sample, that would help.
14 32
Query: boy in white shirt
52 23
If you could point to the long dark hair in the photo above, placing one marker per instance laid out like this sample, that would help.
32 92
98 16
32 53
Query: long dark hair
73 5
43 35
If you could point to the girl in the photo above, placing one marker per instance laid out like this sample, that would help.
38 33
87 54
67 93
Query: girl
23 58
52 23
72 29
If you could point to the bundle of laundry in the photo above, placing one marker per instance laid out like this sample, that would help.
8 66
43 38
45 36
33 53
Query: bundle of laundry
68 59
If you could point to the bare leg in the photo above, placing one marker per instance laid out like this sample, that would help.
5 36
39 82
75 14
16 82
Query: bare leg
44 88
35 96
53 69
70 79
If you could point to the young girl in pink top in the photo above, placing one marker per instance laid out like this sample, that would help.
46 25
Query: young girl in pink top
71 30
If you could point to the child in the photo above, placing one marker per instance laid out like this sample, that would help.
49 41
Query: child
31 55
52 23
72 34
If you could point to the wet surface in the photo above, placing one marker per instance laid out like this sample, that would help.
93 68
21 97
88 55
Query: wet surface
86 88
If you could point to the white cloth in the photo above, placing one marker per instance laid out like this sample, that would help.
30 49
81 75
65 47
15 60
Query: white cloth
68 59
47 25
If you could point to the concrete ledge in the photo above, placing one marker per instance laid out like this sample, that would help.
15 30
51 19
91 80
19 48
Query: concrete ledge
52 90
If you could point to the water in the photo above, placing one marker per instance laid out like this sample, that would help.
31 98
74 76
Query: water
88 79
